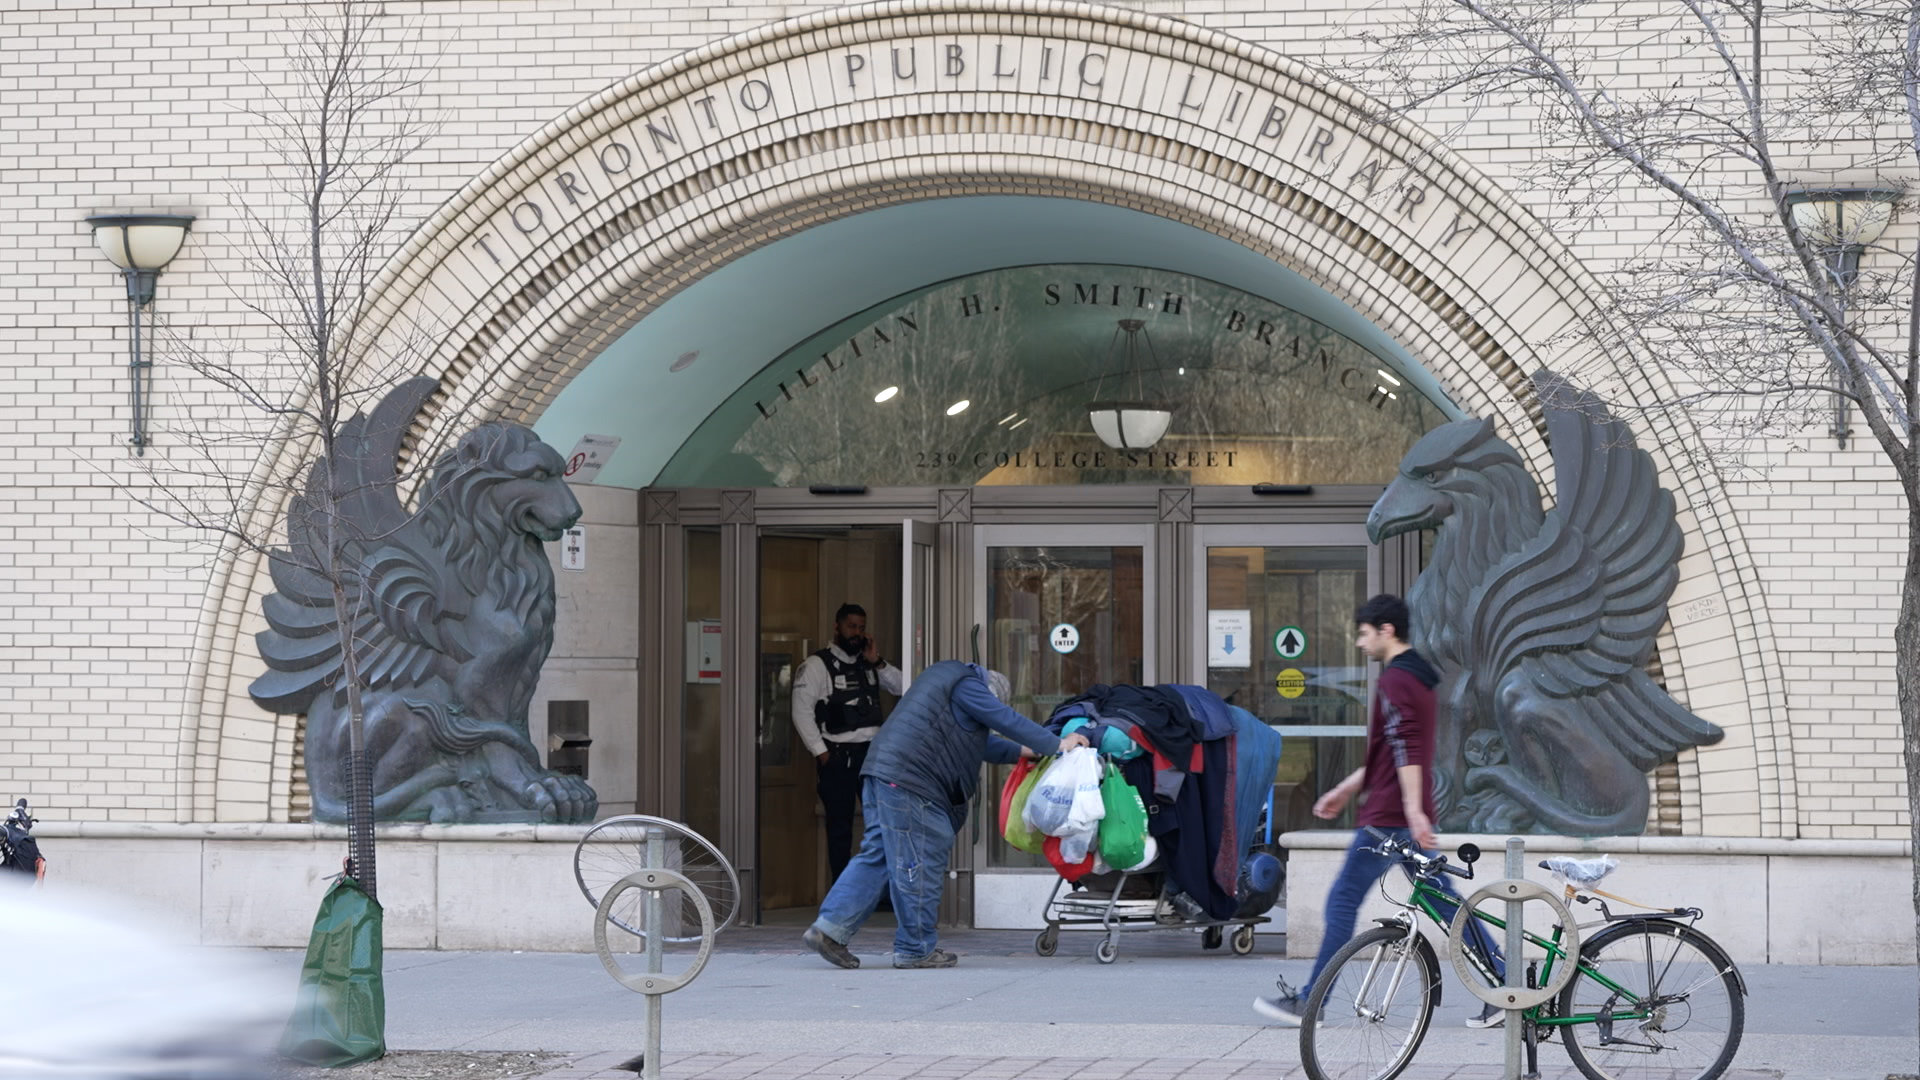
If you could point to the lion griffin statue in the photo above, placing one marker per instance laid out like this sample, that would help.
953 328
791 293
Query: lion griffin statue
456 608
1541 622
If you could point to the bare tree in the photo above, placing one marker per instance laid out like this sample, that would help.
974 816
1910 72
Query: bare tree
337 125
1728 114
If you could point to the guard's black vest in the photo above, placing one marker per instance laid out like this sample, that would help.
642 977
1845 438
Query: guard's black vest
18 849
854 702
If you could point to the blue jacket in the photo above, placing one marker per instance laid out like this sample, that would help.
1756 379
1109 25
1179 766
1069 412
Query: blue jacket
936 737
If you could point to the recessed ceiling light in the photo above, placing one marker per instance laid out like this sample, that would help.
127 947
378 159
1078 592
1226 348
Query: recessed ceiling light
958 407
1389 378
1020 421
1008 417
686 361
886 395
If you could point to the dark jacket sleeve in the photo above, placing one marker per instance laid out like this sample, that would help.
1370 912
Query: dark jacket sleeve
971 697
1409 719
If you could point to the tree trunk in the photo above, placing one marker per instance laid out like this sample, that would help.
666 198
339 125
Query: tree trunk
359 770
1906 666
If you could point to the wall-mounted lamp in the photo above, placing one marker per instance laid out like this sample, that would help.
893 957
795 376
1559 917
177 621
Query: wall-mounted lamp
141 245
1842 223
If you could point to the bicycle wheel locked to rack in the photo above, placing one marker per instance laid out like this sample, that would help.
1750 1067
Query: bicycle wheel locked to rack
650 921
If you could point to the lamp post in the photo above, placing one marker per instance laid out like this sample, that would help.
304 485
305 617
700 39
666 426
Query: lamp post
141 245
1132 424
1842 223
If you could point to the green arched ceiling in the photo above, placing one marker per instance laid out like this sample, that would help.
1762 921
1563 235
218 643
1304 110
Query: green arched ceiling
748 313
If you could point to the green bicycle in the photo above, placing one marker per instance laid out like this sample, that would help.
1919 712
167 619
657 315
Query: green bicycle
1650 996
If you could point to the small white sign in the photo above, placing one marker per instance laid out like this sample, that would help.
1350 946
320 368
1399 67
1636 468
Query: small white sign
1064 638
591 452
1290 643
703 651
1229 638
573 548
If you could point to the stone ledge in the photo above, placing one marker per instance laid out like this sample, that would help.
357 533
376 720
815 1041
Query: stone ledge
1494 845
134 830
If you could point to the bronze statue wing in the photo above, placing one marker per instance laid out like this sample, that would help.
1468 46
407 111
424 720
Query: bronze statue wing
352 501
1581 603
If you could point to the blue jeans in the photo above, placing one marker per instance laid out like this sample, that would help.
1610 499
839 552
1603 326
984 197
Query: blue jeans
1357 875
907 844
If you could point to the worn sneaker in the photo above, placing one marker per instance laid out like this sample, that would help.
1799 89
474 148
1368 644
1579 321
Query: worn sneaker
1490 1017
1285 1011
830 950
938 958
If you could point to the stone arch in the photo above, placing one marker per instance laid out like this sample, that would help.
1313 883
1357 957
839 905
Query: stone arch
561 245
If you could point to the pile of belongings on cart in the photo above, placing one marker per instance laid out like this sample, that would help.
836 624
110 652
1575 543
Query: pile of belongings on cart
1175 784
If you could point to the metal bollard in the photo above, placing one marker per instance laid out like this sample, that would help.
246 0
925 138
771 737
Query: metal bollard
1516 962
654 880
1513 995
656 931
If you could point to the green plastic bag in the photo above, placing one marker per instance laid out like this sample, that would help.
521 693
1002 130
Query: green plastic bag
1018 833
1123 831
340 1015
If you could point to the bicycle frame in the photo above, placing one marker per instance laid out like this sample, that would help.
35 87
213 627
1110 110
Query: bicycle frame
1427 898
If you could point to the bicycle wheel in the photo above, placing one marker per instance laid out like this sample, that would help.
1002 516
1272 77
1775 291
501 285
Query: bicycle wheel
618 846
1370 1009
1674 1009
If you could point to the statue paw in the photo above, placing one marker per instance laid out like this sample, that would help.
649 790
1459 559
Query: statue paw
560 799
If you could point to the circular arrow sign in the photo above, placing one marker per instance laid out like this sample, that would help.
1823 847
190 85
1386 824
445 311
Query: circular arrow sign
1290 643
1064 638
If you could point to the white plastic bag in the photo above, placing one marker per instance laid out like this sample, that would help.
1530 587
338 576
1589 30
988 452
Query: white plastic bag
1067 800
1583 873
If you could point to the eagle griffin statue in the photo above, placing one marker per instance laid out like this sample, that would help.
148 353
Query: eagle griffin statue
456 608
1541 622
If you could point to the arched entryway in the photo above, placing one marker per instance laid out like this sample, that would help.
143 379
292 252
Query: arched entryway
613 210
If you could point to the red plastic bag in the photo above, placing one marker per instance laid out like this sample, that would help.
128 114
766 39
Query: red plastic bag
1070 871
1008 789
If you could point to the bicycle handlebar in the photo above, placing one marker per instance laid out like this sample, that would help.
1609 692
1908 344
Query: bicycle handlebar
1425 865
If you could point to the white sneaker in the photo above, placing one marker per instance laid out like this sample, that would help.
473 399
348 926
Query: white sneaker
1285 1011
1490 1017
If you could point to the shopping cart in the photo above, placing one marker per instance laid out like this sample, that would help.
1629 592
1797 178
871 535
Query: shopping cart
1140 901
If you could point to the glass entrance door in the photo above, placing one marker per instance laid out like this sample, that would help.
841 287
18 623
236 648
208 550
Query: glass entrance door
1060 609
1274 619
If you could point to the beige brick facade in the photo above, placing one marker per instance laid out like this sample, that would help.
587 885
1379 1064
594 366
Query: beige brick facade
127 648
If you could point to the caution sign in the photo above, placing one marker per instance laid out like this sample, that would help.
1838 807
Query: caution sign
1290 643
1291 683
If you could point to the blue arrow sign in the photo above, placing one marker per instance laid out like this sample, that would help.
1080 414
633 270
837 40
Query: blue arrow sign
1228 647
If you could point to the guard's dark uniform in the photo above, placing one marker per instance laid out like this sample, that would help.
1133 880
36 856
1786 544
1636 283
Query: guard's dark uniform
852 704
19 851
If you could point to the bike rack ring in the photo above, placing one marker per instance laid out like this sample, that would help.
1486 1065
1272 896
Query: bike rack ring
1514 997
660 880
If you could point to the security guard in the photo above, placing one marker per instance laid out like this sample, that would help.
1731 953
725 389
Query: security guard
19 852
836 709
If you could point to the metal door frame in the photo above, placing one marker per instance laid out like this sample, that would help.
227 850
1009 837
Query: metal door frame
1265 536
1145 536
1173 525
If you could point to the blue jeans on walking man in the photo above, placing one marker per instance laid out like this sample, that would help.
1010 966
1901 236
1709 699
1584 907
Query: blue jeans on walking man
1358 874
906 846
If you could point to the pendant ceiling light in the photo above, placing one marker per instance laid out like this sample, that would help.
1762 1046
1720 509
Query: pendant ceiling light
1135 423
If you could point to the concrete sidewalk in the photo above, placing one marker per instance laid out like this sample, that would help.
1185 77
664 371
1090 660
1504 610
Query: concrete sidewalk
768 1008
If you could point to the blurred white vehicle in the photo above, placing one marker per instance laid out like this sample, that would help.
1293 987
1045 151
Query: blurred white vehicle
90 993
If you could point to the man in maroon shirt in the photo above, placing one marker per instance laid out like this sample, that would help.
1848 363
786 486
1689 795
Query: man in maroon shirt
1396 789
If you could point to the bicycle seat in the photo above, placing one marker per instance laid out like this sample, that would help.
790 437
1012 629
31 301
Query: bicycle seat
1582 873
